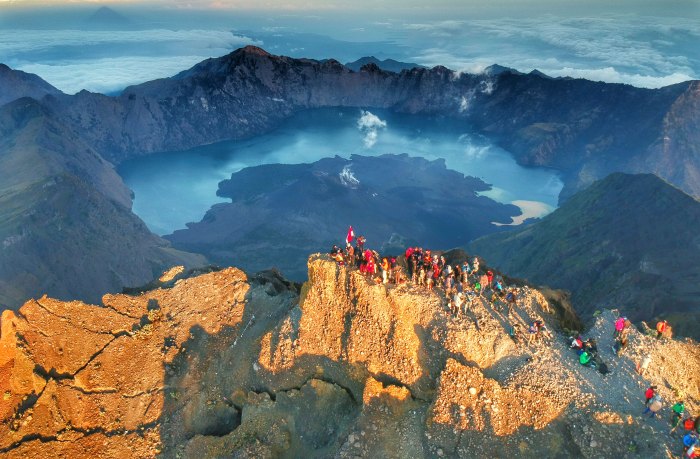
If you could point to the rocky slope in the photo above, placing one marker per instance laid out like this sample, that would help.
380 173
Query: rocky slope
222 365
15 84
624 242
281 213
584 129
66 226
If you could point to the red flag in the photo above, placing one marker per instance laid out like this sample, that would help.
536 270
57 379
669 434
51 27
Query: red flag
351 234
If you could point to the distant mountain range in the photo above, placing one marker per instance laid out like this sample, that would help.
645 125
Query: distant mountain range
279 213
390 65
583 129
627 242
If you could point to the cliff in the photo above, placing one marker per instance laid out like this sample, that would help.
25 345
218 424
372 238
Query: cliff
225 365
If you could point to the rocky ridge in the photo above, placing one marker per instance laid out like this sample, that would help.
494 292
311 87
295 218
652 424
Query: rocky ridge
584 129
225 365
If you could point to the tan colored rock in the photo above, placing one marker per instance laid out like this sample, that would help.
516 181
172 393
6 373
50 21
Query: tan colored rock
70 367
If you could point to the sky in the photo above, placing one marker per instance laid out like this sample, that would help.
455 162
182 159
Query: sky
646 43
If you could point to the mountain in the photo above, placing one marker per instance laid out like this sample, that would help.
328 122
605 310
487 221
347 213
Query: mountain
390 65
105 18
15 84
585 130
225 365
625 242
279 213
66 226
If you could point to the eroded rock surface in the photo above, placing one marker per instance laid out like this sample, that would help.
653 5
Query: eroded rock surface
221 365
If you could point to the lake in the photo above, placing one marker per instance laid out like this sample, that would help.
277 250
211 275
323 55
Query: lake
174 188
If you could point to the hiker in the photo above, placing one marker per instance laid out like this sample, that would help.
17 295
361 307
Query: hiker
585 359
649 394
349 255
619 326
498 286
477 288
689 440
620 344
475 265
661 328
577 343
385 270
511 300
590 345
514 333
489 277
457 304
654 406
421 276
535 331
642 367
689 424
677 411
484 281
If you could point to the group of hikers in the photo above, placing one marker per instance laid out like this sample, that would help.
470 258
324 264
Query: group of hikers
679 417
460 282
653 401
464 281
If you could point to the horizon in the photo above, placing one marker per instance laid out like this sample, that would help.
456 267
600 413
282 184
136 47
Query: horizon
647 43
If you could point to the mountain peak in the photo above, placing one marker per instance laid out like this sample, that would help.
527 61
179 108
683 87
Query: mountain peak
107 18
252 49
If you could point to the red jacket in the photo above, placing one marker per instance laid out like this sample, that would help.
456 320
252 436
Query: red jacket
649 393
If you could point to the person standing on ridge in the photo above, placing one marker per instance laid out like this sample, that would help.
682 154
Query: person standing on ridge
654 406
619 326
350 236
677 411
649 394
661 328
642 367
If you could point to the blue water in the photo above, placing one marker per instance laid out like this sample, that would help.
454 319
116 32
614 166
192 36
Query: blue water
174 188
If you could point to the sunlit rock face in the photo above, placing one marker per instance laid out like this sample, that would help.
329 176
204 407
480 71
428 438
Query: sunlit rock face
221 364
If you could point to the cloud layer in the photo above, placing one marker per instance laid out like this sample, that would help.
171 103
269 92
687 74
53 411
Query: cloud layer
101 61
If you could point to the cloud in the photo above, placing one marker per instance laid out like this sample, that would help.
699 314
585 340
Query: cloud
73 60
370 124
610 75
638 50
109 75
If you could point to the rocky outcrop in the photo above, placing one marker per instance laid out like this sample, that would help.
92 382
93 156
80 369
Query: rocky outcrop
79 378
222 365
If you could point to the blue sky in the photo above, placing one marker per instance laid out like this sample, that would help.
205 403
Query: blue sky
641 42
